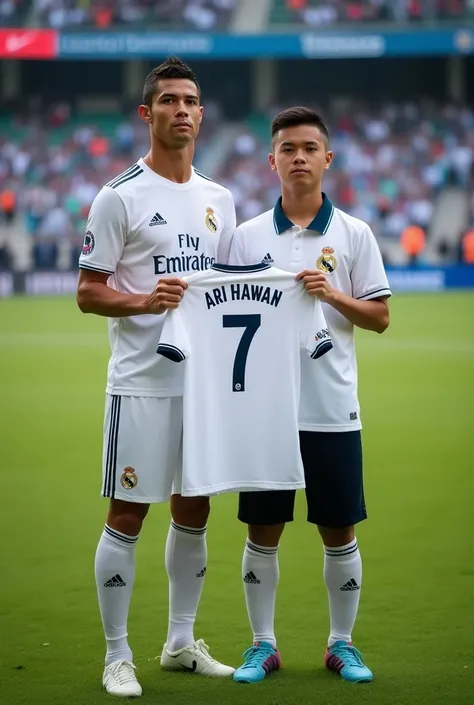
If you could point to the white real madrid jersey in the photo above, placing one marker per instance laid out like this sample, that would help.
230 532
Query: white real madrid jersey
141 228
345 249
240 330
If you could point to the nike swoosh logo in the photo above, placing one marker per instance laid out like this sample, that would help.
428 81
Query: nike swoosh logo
17 42
194 666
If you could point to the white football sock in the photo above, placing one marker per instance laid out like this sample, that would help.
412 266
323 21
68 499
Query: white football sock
343 578
185 560
114 576
260 573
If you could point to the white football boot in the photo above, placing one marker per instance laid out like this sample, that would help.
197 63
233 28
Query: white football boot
194 658
119 679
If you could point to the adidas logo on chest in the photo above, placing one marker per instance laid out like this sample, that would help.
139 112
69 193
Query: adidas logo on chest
157 220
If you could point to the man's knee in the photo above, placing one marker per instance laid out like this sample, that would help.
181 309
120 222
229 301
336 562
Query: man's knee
126 517
333 537
190 511
266 535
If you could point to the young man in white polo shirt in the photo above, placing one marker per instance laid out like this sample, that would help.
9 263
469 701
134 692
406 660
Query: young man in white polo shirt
339 261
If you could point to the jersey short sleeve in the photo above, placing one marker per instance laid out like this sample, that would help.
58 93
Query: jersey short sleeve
316 339
223 248
106 233
174 341
369 280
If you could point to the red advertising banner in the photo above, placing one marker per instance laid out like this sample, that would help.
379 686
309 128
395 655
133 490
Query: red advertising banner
28 43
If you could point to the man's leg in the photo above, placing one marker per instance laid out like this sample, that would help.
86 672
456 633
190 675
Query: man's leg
186 562
142 436
115 575
266 514
335 494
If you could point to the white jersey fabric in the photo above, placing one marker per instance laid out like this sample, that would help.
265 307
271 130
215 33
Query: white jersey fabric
142 227
346 251
240 330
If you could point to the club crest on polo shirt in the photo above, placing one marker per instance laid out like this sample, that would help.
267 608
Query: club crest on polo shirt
326 262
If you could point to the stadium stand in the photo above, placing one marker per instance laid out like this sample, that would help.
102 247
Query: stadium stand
395 166
320 13
196 14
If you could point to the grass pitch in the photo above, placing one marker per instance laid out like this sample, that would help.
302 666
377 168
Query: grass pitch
416 620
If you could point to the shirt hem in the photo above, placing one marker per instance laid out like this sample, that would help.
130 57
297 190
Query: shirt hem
337 428
241 487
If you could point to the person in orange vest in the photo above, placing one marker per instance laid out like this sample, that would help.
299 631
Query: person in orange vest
413 242
467 247
7 205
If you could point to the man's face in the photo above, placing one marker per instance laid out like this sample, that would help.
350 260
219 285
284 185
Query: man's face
300 156
175 113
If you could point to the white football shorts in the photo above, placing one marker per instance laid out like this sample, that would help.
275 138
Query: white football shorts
142 454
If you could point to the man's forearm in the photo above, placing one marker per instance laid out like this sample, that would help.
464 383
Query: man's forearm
98 298
370 315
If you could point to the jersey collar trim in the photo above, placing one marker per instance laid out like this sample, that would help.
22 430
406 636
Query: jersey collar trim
259 267
319 224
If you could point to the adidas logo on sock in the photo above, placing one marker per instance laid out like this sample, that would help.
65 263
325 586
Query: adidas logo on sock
350 586
251 578
116 581
268 259
201 573
157 220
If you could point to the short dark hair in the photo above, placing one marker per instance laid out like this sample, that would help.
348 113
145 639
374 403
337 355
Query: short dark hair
173 67
292 117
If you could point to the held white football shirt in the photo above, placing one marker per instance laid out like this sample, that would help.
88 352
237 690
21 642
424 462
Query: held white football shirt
346 251
141 228
240 330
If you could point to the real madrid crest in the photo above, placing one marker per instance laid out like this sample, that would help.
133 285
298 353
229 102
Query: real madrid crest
327 263
211 221
129 479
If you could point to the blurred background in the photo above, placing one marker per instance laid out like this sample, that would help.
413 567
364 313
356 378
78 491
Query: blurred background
393 78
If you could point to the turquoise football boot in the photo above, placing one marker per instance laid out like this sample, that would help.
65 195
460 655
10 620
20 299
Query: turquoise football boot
346 660
260 660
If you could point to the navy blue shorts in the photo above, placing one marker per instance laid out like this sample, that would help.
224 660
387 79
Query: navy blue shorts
334 485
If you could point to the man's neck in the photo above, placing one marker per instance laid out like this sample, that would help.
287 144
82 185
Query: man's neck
301 207
172 164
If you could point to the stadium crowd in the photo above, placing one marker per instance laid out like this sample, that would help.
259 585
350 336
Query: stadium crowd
324 12
196 14
389 165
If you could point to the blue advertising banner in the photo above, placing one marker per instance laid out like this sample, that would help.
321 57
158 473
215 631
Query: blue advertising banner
424 279
402 279
314 45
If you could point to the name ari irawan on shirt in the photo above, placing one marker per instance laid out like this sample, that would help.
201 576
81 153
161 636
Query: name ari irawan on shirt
239 292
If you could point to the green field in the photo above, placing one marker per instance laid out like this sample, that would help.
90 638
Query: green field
416 622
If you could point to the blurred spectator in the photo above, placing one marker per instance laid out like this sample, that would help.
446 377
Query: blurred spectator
7 205
467 245
413 242
198 14
10 12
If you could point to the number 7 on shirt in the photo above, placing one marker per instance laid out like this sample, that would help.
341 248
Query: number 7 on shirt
251 323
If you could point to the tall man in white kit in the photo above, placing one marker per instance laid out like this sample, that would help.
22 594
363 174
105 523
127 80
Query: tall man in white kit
338 259
157 221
